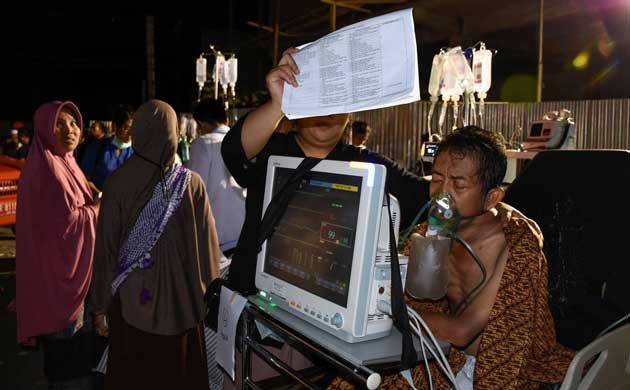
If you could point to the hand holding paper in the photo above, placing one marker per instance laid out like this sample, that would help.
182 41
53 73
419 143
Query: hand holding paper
367 65
285 72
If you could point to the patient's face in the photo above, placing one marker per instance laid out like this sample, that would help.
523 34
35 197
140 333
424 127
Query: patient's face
458 175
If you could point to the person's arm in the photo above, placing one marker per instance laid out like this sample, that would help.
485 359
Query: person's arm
261 123
207 238
252 133
93 187
461 330
458 331
105 259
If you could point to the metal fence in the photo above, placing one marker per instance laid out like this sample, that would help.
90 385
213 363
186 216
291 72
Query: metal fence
600 124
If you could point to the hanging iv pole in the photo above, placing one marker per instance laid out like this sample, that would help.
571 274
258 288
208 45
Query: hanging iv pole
201 69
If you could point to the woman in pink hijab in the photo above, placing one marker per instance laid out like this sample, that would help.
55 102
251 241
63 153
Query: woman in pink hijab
56 223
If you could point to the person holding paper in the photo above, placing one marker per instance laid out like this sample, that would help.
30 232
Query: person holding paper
247 147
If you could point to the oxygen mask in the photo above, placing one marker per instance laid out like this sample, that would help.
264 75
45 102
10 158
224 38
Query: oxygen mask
443 216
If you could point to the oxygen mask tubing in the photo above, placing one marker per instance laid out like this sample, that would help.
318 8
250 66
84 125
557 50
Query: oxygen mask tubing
427 274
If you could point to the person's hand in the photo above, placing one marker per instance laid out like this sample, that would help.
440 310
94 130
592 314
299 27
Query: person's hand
96 203
286 70
93 187
97 198
100 324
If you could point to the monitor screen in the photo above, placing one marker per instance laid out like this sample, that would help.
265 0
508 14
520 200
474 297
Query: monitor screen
536 130
430 149
313 244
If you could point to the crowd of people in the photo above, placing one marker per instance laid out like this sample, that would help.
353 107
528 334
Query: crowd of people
126 241
17 144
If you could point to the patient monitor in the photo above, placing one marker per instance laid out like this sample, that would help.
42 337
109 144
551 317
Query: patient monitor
556 130
328 260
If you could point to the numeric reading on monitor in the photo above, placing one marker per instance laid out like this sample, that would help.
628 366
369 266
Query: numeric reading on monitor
313 244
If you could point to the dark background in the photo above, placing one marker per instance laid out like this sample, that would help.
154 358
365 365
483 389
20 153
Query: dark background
98 58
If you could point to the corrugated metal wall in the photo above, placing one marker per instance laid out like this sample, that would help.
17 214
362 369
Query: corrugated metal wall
600 124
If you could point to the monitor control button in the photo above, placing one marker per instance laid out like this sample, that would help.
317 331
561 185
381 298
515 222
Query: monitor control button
337 320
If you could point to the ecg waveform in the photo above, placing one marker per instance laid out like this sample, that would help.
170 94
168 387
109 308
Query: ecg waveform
312 245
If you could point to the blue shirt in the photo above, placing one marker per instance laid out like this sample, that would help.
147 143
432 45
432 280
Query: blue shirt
100 160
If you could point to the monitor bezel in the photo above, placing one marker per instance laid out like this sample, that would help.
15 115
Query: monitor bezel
366 240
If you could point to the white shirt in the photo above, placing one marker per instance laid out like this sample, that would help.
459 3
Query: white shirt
227 198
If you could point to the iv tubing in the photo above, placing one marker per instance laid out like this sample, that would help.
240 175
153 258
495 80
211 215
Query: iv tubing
473 117
482 98
405 235
430 115
455 112
466 109
442 114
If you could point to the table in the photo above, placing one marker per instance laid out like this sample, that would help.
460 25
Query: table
363 361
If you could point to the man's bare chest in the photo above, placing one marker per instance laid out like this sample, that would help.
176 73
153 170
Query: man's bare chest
465 273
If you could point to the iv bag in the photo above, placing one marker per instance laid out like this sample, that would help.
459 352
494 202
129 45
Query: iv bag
219 71
436 75
231 71
201 70
449 86
482 70
459 65
188 125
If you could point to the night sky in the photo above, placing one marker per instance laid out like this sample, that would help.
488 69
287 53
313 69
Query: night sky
98 59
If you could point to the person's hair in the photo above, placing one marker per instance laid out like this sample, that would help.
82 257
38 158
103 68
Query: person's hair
100 125
25 132
210 110
121 115
360 127
485 147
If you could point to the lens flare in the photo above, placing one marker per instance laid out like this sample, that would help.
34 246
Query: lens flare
604 74
580 62
519 88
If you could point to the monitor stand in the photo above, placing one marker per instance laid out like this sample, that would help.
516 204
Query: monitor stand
379 353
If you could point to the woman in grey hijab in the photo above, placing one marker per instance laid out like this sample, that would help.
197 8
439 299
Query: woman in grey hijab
156 252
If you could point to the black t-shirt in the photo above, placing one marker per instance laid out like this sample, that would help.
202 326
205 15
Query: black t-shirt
411 191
